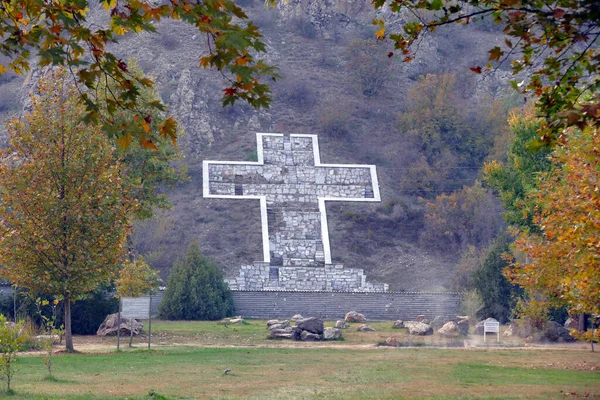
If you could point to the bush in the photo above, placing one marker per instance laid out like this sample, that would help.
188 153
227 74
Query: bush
196 290
297 94
304 27
11 342
369 65
498 295
334 121
87 314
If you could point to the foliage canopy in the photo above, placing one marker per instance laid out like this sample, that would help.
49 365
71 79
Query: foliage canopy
563 261
196 290
65 213
61 33
555 42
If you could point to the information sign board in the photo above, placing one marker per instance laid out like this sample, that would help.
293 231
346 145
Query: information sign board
491 327
135 307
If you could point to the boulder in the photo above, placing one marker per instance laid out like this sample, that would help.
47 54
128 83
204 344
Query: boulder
332 334
365 328
312 325
236 320
296 333
391 341
275 322
341 324
307 336
519 328
353 316
419 328
450 329
296 317
420 318
555 332
479 328
463 325
283 325
398 324
286 333
572 323
110 326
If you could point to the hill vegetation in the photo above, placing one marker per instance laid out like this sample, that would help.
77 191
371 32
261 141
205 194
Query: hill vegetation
428 126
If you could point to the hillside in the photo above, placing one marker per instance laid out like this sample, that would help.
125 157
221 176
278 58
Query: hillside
328 58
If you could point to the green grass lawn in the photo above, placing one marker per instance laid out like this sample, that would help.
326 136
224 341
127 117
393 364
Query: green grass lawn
193 356
320 373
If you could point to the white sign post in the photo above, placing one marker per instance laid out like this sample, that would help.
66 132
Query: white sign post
492 327
138 308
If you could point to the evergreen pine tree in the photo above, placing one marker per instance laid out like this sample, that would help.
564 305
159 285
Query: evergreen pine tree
196 290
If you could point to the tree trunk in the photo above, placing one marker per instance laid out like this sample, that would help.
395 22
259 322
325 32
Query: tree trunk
130 331
581 321
68 333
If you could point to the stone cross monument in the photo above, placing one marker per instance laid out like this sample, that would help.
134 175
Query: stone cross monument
292 186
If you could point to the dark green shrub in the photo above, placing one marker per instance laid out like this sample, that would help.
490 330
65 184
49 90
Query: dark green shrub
497 293
196 290
87 314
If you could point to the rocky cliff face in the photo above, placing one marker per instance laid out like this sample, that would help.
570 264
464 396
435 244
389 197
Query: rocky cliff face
320 94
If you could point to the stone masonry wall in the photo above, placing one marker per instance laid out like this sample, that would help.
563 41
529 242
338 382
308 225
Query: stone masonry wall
334 305
293 183
261 276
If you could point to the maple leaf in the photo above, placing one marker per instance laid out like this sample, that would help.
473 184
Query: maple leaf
477 69
122 66
495 54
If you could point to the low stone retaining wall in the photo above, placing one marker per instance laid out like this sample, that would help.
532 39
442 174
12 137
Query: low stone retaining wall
335 305
261 276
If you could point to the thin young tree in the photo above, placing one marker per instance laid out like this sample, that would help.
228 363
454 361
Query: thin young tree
65 213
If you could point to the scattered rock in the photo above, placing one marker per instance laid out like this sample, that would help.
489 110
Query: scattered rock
518 328
274 322
555 332
550 332
450 329
312 325
296 317
479 328
307 336
353 316
365 328
286 333
391 341
236 320
332 334
418 328
282 325
398 324
110 326
572 323
463 325
341 324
